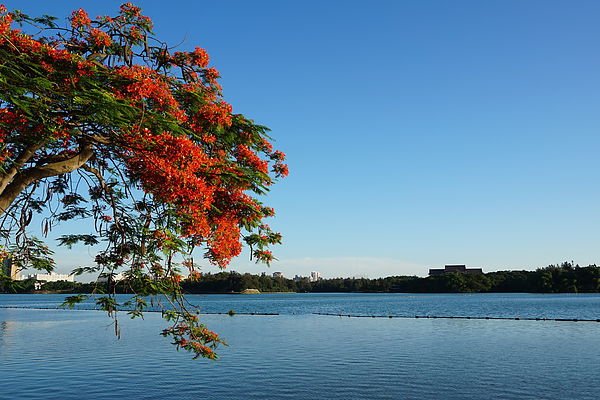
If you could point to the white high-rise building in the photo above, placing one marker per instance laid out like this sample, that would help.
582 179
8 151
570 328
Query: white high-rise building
314 276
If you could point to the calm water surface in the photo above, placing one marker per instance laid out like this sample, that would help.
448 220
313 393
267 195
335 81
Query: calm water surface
297 355
580 306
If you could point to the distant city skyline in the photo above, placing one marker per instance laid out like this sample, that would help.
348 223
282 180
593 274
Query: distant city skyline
418 134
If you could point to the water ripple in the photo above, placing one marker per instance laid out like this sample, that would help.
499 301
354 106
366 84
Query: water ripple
74 354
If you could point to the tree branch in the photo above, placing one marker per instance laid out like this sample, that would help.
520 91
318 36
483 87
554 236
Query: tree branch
23 158
30 175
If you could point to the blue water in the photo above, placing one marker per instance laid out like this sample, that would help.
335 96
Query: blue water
62 354
523 305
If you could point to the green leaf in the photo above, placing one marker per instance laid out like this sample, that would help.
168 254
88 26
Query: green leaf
70 240
71 301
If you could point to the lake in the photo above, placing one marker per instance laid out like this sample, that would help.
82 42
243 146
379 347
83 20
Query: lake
48 353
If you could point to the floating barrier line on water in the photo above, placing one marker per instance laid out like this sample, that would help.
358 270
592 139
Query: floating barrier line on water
460 317
339 315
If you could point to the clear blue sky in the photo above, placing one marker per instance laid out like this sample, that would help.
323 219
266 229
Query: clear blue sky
418 133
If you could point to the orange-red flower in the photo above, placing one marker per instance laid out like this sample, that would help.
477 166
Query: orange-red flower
199 57
80 19
99 38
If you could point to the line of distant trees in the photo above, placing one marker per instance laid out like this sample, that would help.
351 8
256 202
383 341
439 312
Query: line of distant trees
561 278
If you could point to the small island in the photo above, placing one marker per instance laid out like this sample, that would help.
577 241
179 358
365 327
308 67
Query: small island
250 291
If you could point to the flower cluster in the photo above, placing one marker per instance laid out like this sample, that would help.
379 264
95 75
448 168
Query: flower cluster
249 158
216 113
12 122
5 20
199 57
177 171
279 168
99 38
195 276
194 338
265 256
80 19
141 83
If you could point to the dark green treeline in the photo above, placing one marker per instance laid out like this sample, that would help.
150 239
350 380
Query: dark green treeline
563 278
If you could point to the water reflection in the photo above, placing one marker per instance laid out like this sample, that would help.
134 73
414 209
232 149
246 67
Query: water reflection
6 327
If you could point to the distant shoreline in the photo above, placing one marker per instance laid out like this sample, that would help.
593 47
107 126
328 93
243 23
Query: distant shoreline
563 278
50 292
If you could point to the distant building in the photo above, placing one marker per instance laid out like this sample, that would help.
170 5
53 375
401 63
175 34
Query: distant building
277 274
10 269
314 276
461 269
52 277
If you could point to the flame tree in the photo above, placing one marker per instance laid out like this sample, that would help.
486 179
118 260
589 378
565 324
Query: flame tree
101 121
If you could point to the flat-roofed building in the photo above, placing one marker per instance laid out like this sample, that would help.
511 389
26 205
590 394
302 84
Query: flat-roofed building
52 277
459 268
